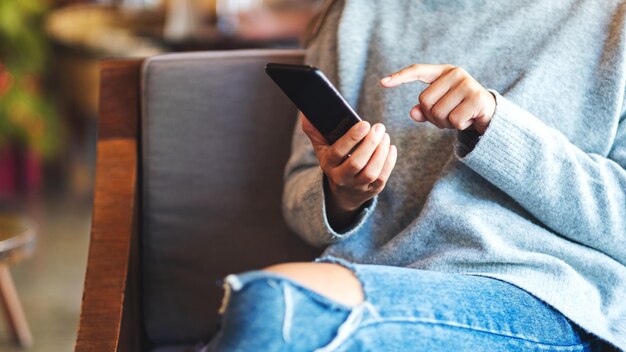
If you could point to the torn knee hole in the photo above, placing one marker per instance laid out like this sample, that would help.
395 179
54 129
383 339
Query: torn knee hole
231 282
333 281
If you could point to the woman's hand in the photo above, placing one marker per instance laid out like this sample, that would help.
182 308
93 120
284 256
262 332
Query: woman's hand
453 99
355 175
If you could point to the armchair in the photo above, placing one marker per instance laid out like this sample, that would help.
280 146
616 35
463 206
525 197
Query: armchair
191 150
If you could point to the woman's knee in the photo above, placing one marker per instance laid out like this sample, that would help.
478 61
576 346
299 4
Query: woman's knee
331 280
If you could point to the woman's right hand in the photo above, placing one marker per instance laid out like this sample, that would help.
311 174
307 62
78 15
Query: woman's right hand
354 175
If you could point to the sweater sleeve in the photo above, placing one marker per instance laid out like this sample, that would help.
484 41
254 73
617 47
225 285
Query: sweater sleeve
578 195
304 205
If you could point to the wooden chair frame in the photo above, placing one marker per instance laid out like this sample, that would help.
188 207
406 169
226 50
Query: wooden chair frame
110 318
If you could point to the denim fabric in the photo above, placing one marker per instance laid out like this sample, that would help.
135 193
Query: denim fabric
404 310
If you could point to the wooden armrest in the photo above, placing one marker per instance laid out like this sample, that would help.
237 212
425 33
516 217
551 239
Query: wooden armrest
110 319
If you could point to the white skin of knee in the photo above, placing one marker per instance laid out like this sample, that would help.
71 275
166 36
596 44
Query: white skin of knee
331 280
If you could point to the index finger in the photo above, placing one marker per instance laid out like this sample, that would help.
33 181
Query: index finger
346 143
316 138
426 73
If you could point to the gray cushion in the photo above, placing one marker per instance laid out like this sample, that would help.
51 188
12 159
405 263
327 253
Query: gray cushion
215 137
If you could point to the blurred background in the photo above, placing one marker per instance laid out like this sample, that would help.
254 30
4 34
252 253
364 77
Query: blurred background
49 56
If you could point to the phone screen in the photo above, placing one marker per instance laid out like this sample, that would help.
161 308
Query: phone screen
316 97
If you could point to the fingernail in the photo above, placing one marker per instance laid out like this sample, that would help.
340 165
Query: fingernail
378 128
386 79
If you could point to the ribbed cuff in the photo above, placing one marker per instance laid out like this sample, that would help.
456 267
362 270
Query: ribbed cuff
359 221
510 150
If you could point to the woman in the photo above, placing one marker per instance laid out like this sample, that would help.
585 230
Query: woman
490 220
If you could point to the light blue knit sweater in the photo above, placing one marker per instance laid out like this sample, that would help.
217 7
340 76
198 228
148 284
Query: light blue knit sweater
540 200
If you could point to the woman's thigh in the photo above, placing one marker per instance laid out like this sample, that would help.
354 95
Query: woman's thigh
404 309
421 310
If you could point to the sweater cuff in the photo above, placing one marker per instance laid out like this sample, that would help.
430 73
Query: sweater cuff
359 221
510 147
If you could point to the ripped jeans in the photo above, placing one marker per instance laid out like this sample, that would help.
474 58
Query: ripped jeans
404 310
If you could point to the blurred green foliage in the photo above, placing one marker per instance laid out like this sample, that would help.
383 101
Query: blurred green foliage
27 116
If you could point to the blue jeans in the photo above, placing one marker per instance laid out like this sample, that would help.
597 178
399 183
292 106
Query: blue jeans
404 310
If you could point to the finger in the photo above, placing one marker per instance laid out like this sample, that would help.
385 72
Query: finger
359 158
316 138
390 162
440 87
464 113
446 104
483 115
452 83
374 166
480 124
338 152
426 73
427 111
417 114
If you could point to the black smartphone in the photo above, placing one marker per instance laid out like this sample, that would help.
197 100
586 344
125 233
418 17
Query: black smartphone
316 97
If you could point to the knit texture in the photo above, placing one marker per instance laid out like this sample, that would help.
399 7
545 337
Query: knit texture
540 199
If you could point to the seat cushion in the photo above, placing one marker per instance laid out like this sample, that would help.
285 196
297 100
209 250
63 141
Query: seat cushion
216 134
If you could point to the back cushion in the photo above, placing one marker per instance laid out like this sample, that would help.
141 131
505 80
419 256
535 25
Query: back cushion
216 135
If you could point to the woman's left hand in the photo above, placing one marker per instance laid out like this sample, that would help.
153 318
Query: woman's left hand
453 99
